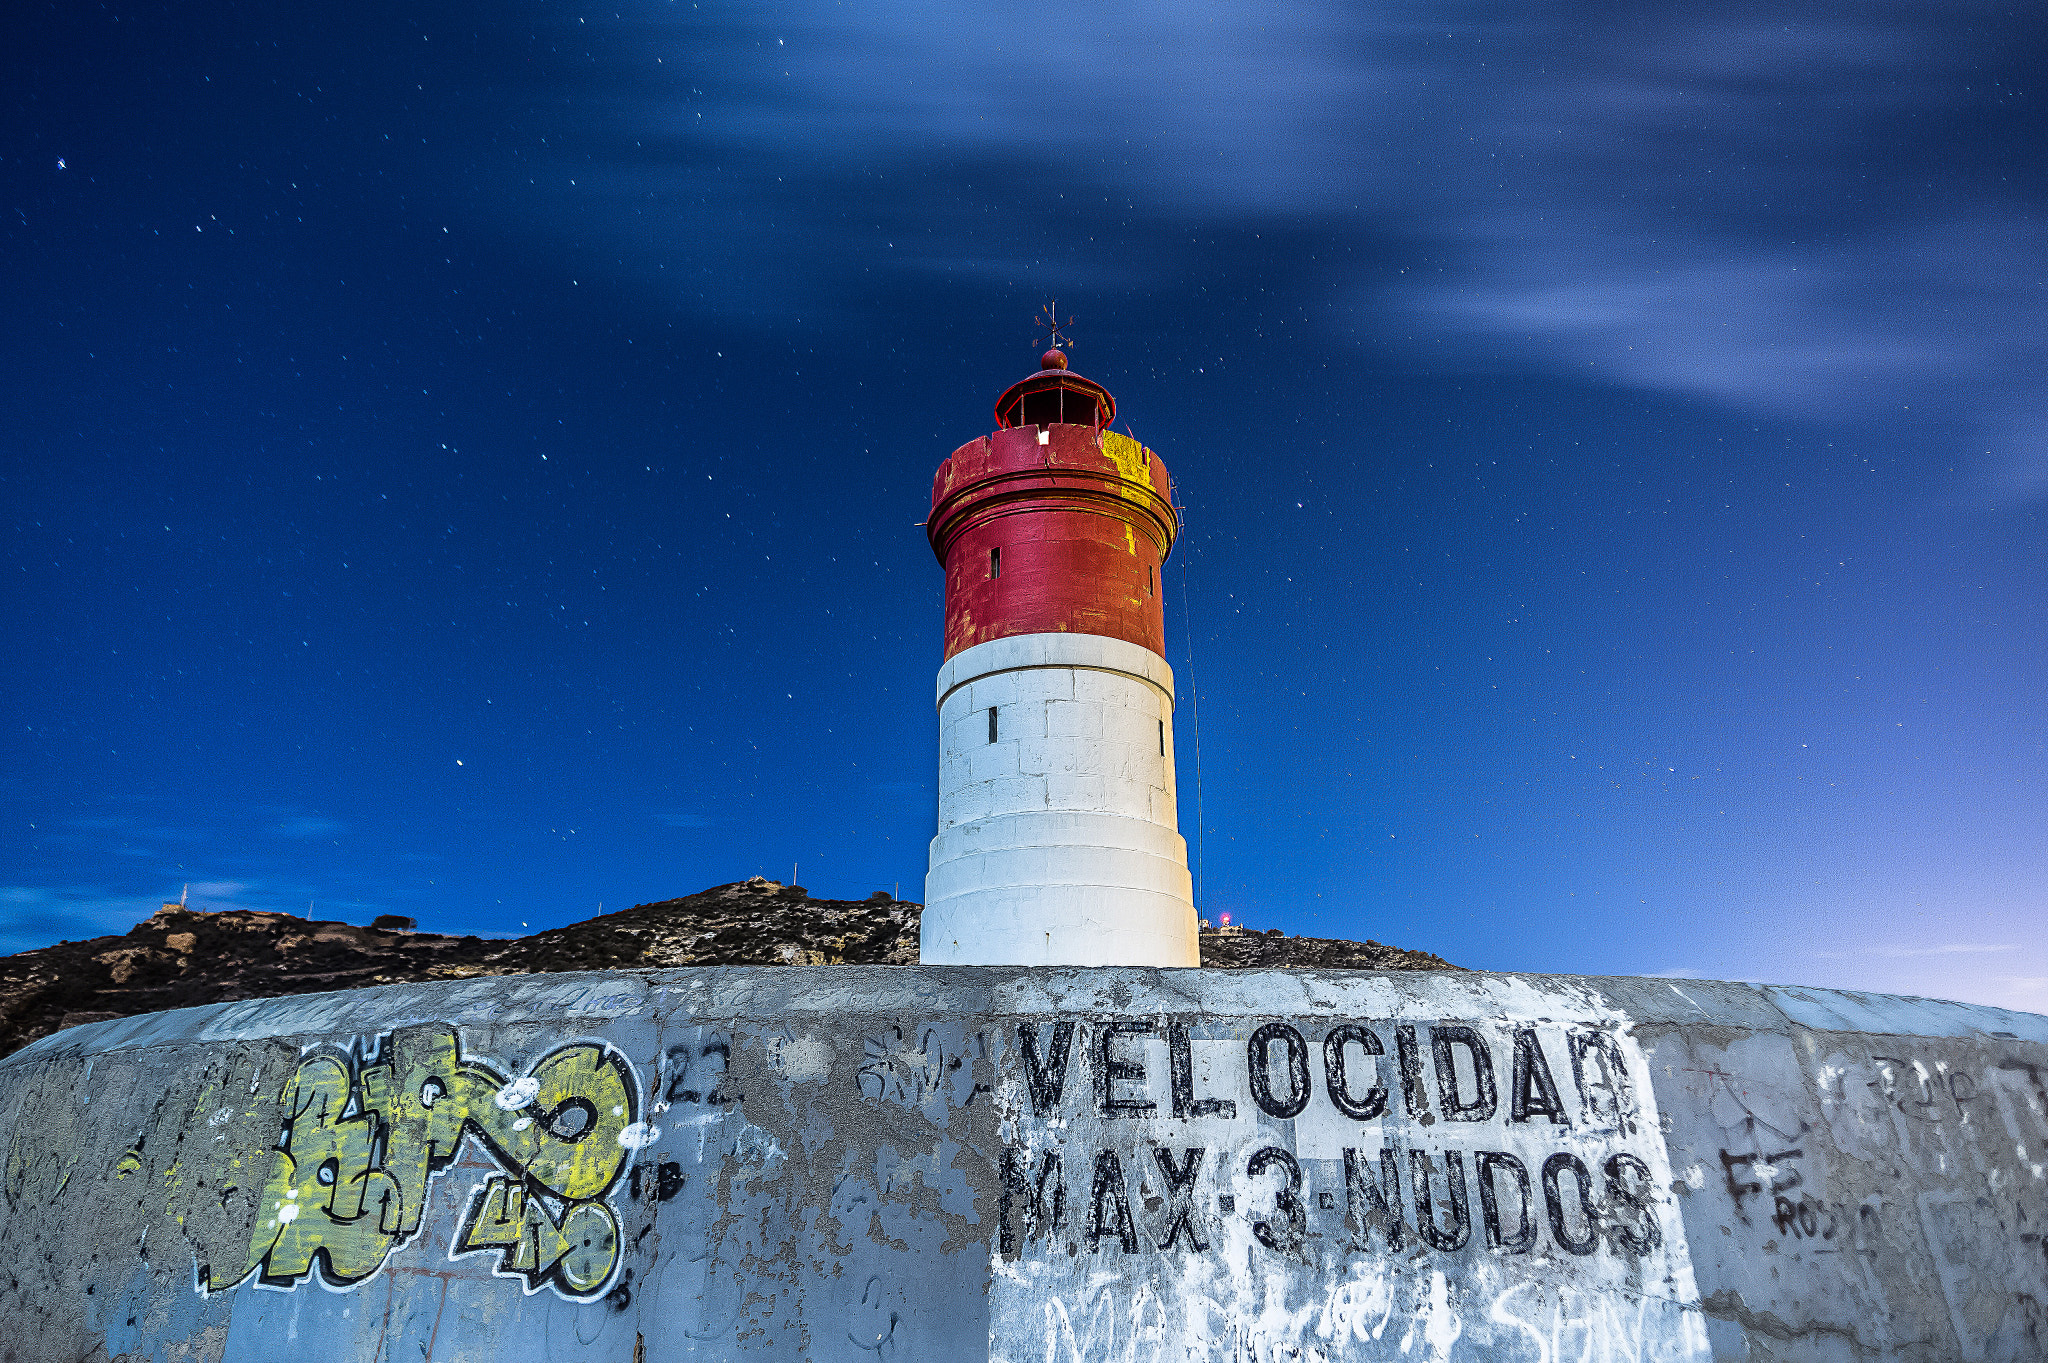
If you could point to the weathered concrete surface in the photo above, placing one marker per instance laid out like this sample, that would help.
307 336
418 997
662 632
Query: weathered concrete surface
1058 1165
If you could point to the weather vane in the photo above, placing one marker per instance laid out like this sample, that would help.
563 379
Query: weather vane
1049 322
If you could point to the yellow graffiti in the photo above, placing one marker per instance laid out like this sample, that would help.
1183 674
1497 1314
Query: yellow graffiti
587 1101
1132 460
579 1250
361 1142
324 1199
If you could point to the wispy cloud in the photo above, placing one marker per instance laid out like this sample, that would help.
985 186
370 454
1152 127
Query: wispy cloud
38 915
309 826
2027 990
122 833
224 894
1797 329
34 915
1764 209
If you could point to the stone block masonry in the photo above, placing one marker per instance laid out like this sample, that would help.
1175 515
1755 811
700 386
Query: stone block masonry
1037 1166
1057 838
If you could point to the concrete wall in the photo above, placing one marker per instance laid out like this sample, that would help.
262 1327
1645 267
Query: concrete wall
1047 1166
1057 842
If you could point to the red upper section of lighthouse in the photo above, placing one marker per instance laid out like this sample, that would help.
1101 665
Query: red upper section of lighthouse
1053 523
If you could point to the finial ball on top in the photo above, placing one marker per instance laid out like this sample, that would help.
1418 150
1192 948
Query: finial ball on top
1053 359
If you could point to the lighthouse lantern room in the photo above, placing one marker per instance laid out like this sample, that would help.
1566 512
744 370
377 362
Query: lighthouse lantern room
1058 840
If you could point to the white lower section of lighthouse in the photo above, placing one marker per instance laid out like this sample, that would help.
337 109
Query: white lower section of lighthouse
1058 841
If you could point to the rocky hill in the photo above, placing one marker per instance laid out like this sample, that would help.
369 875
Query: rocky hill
182 956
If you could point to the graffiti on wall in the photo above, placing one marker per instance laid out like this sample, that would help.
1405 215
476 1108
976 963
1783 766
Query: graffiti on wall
1901 1177
362 1138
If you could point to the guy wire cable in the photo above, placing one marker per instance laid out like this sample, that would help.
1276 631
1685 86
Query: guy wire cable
1194 710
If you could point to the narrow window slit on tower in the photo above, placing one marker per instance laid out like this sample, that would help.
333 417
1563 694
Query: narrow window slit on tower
1148 579
1162 738
991 723
995 563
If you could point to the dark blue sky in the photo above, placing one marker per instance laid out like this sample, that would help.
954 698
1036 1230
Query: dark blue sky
466 461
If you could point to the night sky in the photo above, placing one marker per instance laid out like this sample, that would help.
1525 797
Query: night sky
467 461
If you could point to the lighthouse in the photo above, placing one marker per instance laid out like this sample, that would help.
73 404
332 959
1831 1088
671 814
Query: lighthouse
1058 840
